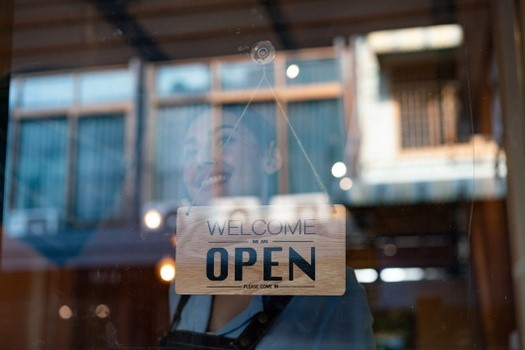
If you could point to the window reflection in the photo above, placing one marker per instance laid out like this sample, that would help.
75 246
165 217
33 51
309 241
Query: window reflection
323 141
168 142
96 157
185 79
42 165
243 75
99 87
47 91
72 172
308 71
100 168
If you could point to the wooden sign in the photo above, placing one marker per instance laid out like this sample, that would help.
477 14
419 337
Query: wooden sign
277 249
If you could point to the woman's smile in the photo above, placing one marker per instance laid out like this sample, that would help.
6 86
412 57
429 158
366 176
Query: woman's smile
213 179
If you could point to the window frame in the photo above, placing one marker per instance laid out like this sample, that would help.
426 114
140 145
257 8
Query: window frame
73 113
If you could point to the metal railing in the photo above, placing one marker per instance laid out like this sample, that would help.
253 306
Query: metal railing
428 113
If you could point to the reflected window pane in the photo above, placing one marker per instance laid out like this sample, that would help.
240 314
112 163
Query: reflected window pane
260 124
302 71
13 93
243 75
40 180
265 128
320 128
170 128
187 79
100 168
47 91
106 86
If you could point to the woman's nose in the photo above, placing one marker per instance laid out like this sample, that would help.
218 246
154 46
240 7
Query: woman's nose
204 156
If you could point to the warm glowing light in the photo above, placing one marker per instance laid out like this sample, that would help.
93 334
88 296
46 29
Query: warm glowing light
346 183
416 39
152 219
292 71
402 274
366 275
166 269
102 311
65 312
167 273
339 169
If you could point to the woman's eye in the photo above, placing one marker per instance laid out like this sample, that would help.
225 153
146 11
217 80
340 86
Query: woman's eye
226 140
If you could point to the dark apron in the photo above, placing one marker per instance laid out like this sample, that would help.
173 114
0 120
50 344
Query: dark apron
249 338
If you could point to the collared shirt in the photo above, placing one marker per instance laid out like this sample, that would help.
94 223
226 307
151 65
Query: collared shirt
307 322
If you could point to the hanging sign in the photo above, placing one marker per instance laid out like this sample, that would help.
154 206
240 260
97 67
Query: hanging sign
277 249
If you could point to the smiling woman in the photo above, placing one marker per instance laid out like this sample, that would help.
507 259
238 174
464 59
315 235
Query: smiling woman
236 157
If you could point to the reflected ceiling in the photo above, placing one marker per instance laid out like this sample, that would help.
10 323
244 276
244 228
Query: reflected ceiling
66 33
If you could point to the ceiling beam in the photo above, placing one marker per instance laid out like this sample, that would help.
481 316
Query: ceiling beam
279 24
137 37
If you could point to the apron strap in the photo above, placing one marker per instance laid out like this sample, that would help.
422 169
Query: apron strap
249 338
178 311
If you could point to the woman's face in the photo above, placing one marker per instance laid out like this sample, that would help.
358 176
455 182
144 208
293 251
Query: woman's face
239 169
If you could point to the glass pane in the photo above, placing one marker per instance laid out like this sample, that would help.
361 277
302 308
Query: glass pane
186 79
100 168
320 128
47 91
106 86
257 126
307 71
425 118
13 93
243 75
170 128
41 175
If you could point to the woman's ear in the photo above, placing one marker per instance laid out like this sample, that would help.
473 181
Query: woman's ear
272 159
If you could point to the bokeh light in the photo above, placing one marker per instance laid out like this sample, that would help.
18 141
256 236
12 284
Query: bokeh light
102 311
292 71
346 183
152 219
65 312
339 169
366 275
166 269
402 274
